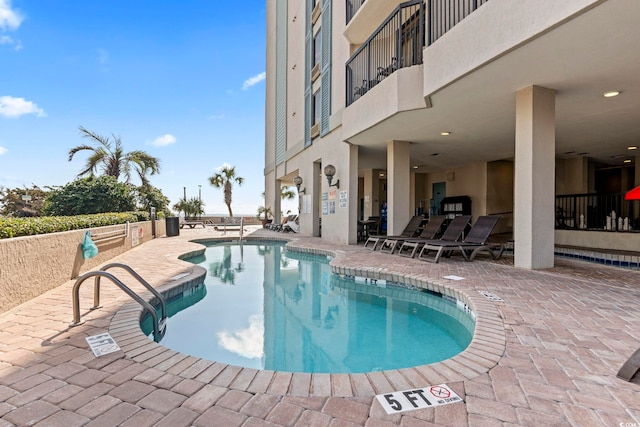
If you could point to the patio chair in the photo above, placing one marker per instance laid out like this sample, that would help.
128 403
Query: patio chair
474 242
291 225
453 233
430 231
409 231
278 227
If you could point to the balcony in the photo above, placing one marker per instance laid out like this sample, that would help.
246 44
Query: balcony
352 8
398 42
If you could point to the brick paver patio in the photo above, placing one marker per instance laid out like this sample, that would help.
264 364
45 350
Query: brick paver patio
546 355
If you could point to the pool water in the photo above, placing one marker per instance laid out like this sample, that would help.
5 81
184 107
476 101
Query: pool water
268 308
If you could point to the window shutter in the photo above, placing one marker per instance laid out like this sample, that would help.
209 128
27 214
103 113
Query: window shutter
281 81
326 68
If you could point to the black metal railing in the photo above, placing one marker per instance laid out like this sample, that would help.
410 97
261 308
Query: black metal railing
445 14
352 8
397 43
606 212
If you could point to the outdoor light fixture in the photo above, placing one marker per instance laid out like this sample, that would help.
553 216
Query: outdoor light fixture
611 93
330 172
298 181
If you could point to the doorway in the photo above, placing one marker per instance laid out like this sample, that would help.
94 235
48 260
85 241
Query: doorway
438 191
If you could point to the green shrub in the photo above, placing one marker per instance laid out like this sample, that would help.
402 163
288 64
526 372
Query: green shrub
15 227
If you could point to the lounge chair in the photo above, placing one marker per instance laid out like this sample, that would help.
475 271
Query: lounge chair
430 231
191 224
474 242
409 231
291 226
278 227
453 233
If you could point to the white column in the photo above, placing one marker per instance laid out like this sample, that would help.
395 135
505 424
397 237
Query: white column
398 186
534 187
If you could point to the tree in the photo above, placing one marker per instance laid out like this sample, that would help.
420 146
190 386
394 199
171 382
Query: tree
191 208
89 196
224 179
110 157
149 196
13 203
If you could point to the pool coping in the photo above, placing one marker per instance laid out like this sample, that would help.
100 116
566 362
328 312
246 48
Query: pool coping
487 346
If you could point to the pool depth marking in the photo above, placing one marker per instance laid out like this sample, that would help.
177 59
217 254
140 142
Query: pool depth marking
102 344
419 398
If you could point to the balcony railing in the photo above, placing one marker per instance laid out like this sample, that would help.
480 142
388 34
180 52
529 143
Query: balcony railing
352 8
397 43
605 212
445 14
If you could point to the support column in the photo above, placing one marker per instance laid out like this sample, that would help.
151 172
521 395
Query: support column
398 186
534 186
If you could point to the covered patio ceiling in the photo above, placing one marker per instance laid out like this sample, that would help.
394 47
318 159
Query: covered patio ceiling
581 59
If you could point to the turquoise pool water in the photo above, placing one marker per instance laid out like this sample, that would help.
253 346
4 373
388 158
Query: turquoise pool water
267 308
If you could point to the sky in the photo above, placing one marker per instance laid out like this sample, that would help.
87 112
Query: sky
181 80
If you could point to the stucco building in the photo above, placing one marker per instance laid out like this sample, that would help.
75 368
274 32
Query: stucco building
498 100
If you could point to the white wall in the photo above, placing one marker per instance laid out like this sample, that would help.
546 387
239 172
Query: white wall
503 24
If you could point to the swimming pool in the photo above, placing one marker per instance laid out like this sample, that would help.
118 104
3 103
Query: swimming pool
265 307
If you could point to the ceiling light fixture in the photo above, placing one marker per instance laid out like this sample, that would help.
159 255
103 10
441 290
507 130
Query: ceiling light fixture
632 147
611 93
627 160
446 133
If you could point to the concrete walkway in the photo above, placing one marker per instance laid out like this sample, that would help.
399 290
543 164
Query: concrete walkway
546 355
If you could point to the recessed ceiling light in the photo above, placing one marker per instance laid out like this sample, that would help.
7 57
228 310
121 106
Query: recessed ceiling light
627 160
445 133
611 93
415 167
632 147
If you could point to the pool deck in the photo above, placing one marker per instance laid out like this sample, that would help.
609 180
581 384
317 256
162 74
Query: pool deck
547 354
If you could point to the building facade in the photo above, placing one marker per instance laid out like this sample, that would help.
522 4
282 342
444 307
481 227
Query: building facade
405 103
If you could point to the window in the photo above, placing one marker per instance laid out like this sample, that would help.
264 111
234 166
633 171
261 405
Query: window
316 111
317 51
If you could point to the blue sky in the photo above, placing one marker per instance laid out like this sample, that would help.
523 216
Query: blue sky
182 80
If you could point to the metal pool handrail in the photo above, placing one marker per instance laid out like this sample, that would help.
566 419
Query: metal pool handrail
159 325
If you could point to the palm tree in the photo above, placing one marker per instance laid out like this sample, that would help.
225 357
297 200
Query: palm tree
111 158
224 179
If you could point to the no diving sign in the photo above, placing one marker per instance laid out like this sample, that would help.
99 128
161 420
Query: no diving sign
409 400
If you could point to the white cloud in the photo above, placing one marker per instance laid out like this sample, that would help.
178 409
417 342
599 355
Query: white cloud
2 150
9 41
163 141
16 107
252 81
248 342
9 19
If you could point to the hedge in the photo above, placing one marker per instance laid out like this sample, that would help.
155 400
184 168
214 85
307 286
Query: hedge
15 227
